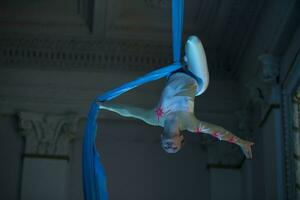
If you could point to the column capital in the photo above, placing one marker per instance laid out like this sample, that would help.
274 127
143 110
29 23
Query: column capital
263 89
47 134
261 85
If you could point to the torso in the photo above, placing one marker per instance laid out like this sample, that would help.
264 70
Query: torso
177 96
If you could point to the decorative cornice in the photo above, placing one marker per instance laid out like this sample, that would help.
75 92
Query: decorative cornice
79 53
22 51
47 134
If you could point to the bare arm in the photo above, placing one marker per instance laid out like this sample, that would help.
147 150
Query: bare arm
148 116
197 126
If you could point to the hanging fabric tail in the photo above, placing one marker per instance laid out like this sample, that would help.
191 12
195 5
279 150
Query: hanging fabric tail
94 180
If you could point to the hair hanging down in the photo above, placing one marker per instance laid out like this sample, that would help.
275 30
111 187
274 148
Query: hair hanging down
94 179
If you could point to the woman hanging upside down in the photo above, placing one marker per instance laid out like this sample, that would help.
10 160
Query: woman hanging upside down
175 110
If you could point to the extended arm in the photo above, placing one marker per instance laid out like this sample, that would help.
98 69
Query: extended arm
197 126
148 116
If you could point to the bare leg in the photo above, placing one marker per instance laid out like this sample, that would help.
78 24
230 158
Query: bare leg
148 116
192 124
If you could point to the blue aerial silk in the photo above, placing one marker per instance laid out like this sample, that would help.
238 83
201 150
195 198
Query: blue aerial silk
94 179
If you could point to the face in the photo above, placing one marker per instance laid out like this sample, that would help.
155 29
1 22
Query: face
172 144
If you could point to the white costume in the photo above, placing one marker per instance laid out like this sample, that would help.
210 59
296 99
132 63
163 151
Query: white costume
179 94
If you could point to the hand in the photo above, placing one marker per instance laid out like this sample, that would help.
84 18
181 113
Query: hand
246 148
100 103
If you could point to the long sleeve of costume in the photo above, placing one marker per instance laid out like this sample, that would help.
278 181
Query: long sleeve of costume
192 124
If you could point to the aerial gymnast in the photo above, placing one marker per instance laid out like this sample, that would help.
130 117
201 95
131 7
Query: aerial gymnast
174 112
175 109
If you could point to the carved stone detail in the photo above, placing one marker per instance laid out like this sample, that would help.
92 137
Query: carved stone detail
296 138
289 86
47 134
80 53
269 67
263 88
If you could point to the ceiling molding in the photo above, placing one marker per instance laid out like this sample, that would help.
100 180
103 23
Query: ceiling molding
82 54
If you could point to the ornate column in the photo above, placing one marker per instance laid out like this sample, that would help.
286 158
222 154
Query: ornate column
264 101
296 139
46 156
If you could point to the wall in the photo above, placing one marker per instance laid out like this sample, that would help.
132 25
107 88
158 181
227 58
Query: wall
225 184
273 156
11 149
137 167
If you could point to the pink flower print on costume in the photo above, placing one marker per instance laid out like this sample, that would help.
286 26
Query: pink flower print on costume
198 130
159 113
216 135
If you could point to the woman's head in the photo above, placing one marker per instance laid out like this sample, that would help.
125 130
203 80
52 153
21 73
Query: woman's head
171 139
172 143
